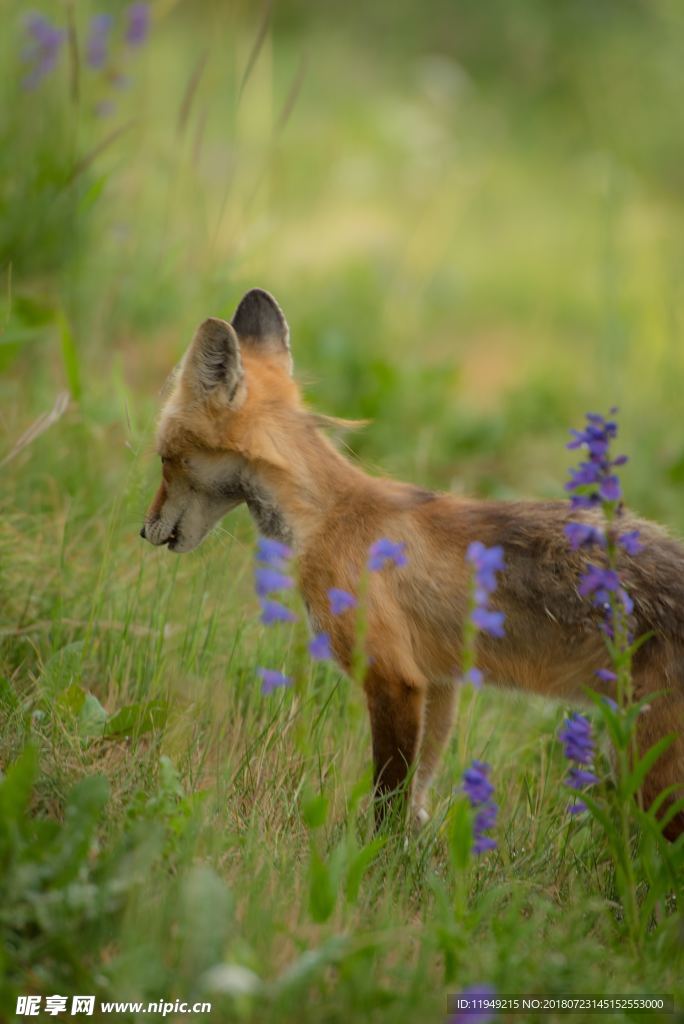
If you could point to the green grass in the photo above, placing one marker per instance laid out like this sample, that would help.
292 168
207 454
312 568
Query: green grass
475 231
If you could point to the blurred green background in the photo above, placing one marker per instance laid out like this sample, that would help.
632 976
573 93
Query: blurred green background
472 214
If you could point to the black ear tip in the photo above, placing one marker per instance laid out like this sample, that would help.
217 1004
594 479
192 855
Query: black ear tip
258 300
258 315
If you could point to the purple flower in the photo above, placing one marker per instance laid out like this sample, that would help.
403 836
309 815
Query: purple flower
610 489
468 1008
43 50
273 612
138 26
272 552
268 580
599 583
593 481
630 542
483 843
577 738
340 600
319 648
606 675
489 622
579 807
98 40
578 741
479 790
476 784
578 778
271 680
475 677
486 563
386 551
584 535
587 473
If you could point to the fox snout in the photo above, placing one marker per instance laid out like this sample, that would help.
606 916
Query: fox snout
158 528
156 534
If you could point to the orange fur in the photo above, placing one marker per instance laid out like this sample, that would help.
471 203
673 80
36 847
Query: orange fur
235 410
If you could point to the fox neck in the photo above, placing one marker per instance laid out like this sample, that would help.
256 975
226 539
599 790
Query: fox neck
291 500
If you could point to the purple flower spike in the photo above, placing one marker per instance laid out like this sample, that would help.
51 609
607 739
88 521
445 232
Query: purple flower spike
483 844
386 552
340 600
476 784
43 50
578 741
268 581
475 677
479 790
584 535
610 489
630 542
272 552
138 27
98 40
577 738
272 680
593 481
319 648
489 622
599 583
486 563
273 612
578 778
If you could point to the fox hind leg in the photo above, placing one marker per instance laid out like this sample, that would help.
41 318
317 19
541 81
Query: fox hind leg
396 716
664 717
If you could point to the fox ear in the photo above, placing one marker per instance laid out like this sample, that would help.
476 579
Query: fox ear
213 364
260 324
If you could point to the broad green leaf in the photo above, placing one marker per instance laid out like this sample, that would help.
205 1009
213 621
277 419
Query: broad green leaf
136 719
92 717
72 699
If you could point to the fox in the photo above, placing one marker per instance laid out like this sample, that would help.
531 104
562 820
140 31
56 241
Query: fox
234 429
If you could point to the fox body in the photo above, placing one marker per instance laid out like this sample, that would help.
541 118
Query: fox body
233 429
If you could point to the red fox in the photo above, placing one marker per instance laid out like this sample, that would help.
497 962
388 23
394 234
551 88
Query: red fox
234 429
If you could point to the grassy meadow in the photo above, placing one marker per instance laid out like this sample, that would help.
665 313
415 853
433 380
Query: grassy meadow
473 217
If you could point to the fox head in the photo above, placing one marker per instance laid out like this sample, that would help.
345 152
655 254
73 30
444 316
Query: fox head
222 426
